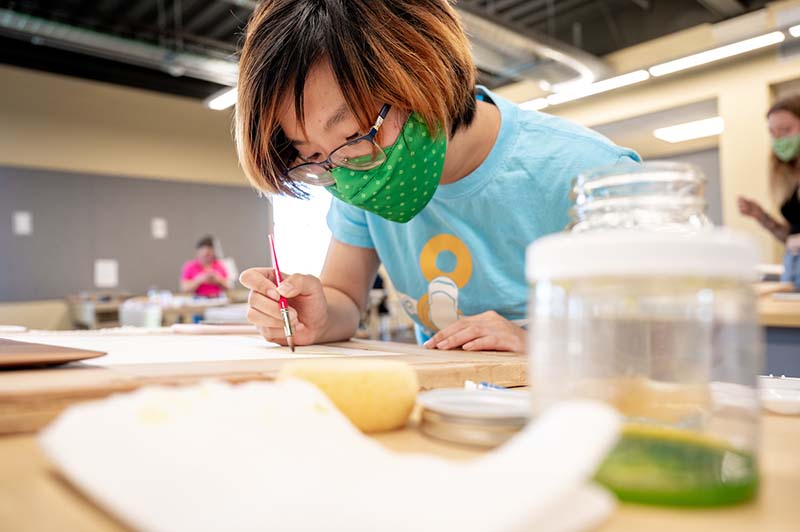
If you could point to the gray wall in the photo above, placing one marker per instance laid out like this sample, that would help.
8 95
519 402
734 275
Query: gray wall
79 218
708 161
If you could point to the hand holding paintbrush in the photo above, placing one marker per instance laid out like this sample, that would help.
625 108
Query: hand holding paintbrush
295 307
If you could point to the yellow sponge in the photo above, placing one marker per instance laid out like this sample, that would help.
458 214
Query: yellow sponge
376 395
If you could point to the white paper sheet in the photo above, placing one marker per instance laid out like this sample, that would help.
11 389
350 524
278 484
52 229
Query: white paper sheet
146 346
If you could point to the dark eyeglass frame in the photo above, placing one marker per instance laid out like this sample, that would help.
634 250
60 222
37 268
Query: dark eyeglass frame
328 164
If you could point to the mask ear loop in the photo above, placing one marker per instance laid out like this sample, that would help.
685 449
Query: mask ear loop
387 149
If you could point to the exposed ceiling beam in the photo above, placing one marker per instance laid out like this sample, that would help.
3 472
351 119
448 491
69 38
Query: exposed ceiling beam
525 8
613 28
542 15
229 25
250 4
584 13
212 14
138 11
723 8
497 6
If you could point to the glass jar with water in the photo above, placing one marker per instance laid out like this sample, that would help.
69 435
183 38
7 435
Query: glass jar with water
645 305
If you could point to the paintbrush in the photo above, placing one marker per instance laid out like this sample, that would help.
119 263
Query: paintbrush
287 322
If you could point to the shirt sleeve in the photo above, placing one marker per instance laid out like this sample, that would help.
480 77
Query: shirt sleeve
187 272
349 224
221 269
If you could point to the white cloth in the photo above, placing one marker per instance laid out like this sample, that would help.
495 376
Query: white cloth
280 457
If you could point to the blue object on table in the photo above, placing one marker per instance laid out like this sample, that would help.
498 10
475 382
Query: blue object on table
791 268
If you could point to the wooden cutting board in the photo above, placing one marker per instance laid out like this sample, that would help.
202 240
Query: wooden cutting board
15 354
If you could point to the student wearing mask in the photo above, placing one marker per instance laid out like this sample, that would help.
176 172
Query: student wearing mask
443 182
783 119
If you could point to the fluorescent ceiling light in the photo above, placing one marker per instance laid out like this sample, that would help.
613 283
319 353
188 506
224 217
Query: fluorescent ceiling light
697 129
534 105
599 86
670 67
709 56
222 100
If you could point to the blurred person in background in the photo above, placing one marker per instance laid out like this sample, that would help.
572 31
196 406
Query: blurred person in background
783 119
205 275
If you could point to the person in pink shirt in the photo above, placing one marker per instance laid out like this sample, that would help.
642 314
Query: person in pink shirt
205 276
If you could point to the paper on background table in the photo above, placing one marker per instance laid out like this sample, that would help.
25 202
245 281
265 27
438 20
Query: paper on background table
288 460
202 328
142 346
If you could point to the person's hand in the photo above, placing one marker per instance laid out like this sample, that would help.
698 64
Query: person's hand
750 208
308 308
217 278
484 332
203 277
793 244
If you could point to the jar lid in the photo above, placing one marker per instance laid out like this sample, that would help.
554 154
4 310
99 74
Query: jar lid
718 253
485 418
657 176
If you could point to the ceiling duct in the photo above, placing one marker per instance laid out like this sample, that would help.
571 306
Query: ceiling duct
63 36
507 53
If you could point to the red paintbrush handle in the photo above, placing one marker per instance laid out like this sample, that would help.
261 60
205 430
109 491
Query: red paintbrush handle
278 277
275 260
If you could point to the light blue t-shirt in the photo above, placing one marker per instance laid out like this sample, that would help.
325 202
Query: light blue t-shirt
465 252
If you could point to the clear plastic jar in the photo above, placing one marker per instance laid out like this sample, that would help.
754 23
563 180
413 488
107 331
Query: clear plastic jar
655 195
660 322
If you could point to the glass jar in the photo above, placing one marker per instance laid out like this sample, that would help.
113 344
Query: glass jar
655 195
657 318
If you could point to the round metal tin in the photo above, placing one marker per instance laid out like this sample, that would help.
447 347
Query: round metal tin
486 418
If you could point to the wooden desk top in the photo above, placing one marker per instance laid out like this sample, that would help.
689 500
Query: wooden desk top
777 508
776 312
29 399
33 498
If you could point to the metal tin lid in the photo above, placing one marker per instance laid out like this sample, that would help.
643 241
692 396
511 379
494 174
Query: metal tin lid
474 417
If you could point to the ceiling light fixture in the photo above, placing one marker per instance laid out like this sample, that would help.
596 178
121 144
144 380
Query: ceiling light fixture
716 54
222 99
696 129
794 31
597 87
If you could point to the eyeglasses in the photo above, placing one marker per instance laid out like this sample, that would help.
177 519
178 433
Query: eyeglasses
362 153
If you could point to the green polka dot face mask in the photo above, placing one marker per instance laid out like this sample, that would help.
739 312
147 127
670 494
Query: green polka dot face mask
403 185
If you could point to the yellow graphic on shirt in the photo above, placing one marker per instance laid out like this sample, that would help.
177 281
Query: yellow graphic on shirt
438 308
